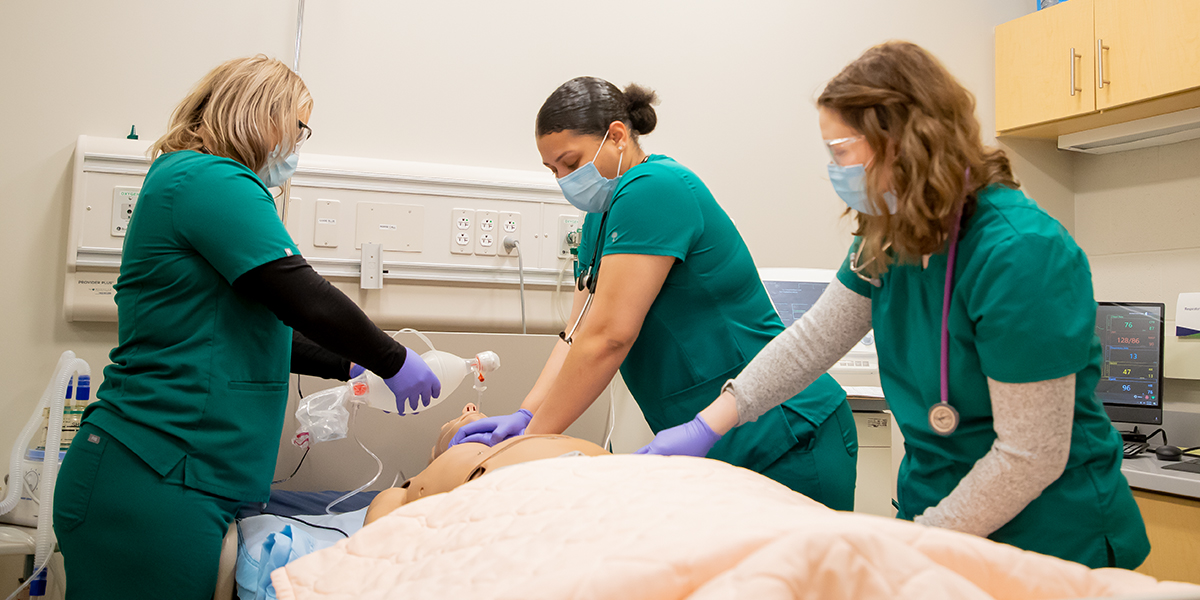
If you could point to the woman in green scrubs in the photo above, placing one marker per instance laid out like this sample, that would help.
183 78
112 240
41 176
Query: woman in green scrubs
984 319
678 305
187 423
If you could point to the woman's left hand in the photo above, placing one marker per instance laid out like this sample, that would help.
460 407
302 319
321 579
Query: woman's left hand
694 438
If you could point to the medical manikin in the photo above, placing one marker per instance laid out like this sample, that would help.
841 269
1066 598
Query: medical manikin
452 467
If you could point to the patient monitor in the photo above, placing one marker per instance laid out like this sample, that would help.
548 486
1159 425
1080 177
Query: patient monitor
452 467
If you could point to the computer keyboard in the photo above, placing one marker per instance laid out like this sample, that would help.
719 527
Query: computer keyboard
1133 449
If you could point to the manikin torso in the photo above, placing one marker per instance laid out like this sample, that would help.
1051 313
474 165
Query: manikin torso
452 467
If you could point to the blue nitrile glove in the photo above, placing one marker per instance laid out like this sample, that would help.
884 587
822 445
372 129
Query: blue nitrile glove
415 382
694 438
493 430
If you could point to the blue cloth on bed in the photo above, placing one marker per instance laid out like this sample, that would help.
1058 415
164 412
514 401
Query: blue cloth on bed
267 542
290 503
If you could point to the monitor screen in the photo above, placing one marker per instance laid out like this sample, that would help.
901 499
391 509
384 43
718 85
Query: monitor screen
1131 343
793 298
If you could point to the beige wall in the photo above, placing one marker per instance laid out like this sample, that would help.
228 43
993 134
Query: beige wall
450 82
1137 215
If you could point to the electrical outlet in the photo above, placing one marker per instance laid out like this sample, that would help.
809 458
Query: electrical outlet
510 226
462 231
486 244
568 225
124 199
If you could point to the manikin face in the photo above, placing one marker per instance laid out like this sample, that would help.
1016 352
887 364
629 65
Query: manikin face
470 414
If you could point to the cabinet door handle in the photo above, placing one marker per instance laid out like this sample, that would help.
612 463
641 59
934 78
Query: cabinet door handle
1100 48
1074 80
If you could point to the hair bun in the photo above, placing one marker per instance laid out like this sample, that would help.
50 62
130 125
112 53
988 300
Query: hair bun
640 101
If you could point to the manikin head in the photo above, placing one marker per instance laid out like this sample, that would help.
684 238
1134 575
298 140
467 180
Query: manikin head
470 414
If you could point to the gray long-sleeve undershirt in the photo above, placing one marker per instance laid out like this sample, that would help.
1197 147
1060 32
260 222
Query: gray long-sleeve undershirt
1032 420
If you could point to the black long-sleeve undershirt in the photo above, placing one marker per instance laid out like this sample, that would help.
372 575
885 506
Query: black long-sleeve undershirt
309 358
331 327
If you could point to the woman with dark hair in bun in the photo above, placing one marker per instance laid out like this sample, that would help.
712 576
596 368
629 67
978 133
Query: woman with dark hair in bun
669 294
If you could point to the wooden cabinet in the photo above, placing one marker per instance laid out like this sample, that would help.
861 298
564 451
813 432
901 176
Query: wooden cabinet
1044 66
1147 48
1173 525
1083 64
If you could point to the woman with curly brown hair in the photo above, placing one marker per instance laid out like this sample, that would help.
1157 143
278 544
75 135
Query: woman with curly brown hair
984 317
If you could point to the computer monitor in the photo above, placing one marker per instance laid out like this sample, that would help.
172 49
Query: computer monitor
1131 342
794 290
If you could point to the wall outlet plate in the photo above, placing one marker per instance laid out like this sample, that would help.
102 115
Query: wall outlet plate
462 231
325 225
510 226
395 227
488 232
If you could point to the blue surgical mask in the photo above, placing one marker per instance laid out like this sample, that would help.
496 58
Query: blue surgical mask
278 171
586 189
850 183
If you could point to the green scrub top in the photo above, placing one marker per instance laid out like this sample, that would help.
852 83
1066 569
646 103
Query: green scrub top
200 373
1021 311
711 317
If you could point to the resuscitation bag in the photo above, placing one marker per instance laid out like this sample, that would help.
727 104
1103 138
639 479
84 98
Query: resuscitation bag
323 416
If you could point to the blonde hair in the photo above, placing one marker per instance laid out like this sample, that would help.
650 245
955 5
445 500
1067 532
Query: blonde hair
240 110
920 123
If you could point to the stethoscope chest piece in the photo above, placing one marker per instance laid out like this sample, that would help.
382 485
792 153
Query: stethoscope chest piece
943 419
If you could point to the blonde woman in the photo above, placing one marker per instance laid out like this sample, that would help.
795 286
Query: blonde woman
187 422
984 318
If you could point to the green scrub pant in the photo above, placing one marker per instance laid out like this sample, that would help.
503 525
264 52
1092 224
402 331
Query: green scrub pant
126 532
824 464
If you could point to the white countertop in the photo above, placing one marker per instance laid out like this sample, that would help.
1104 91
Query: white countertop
15 539
1145 472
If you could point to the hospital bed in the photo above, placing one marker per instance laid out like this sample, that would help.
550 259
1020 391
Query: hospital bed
634 527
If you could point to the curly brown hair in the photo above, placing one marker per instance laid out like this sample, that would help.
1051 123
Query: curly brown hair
920 122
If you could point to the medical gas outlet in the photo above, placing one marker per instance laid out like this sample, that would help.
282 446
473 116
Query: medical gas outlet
570 234
124 199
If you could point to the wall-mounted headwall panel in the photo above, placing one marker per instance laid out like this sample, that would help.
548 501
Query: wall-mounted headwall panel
432 279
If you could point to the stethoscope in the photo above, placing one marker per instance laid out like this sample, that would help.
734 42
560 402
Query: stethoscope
943 419
587 280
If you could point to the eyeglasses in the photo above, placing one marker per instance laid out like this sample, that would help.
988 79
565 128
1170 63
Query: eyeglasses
839 149
305 133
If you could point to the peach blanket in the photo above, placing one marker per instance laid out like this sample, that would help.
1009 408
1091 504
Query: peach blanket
633 527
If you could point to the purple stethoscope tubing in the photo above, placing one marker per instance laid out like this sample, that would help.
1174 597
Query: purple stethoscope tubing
951 255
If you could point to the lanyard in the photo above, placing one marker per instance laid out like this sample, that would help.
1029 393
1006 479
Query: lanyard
942 417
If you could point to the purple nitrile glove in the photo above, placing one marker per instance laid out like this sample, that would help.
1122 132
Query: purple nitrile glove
414 383
493 430
694 438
